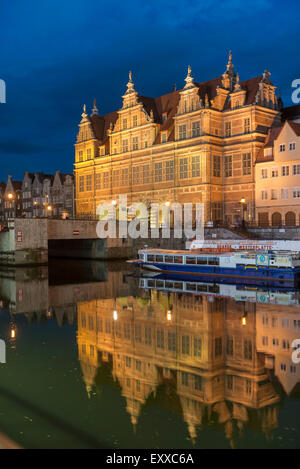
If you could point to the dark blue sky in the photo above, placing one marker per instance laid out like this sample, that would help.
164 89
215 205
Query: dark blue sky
56 55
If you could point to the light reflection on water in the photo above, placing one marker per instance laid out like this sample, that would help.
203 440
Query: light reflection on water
99 358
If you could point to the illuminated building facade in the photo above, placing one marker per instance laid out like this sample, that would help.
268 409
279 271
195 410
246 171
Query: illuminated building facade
198 145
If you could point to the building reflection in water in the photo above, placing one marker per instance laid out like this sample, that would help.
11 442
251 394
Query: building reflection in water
227 360
211 354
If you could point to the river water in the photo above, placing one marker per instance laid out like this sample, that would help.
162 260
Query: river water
98 357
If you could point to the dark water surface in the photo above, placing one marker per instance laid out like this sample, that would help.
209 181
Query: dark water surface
97 358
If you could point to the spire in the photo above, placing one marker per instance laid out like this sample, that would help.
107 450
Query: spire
84 115
230 65
95 109
189 80
280 101
237 86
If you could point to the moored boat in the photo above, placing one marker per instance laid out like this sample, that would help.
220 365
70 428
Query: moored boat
280 267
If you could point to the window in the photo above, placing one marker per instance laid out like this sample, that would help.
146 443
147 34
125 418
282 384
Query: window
228 166
81 183
285 171
125 177
247 126
80 155
163 137
292 146
230 382
195 166
274 172
183 168
264 173
158 172
218 346
135 143
246 164
283 367
148 335
296 193
127 330
125 145
170 170
164 116
284 194
217 166
196 129
197 347
184 379
281 148
134 121
248 350
172 341
146 174
97 181
296 169
105 179
248 387
115 177
138 365
229 346
198 383
228 129
285 344
264 195
265 340
274 194
185 345
89 153
138 333
293 369
89 182
182 132
124 123
136 175
160 338
128 362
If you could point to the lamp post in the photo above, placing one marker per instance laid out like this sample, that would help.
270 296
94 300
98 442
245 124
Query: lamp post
244 206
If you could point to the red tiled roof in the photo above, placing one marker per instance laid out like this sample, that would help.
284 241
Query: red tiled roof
295 126
273 133
168 104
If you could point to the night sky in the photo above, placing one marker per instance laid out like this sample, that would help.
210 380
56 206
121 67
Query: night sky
56 55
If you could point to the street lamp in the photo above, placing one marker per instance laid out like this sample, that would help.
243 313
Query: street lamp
243 204
10 196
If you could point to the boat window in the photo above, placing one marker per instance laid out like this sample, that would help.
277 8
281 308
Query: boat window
169 284
169 259
190 260
213 261
201 287
159 258
178 259
214 288
178 285
151 283
202 260
191 286
150 258
159 283
141 256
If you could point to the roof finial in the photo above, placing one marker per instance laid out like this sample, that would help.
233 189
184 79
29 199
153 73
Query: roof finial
189 79
95 109
130 84
84 114
230 65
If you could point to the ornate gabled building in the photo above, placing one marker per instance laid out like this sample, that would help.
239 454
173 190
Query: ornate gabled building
197 144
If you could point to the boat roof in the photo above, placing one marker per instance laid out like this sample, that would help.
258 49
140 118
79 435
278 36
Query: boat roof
175 252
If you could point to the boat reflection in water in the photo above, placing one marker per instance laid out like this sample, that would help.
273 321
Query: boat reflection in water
163 363
214 354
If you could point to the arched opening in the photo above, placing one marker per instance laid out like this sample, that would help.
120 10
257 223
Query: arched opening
276 219
290 219
263 219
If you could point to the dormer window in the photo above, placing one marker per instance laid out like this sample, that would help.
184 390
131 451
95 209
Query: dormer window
163 137
164 116
134 121
268 151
